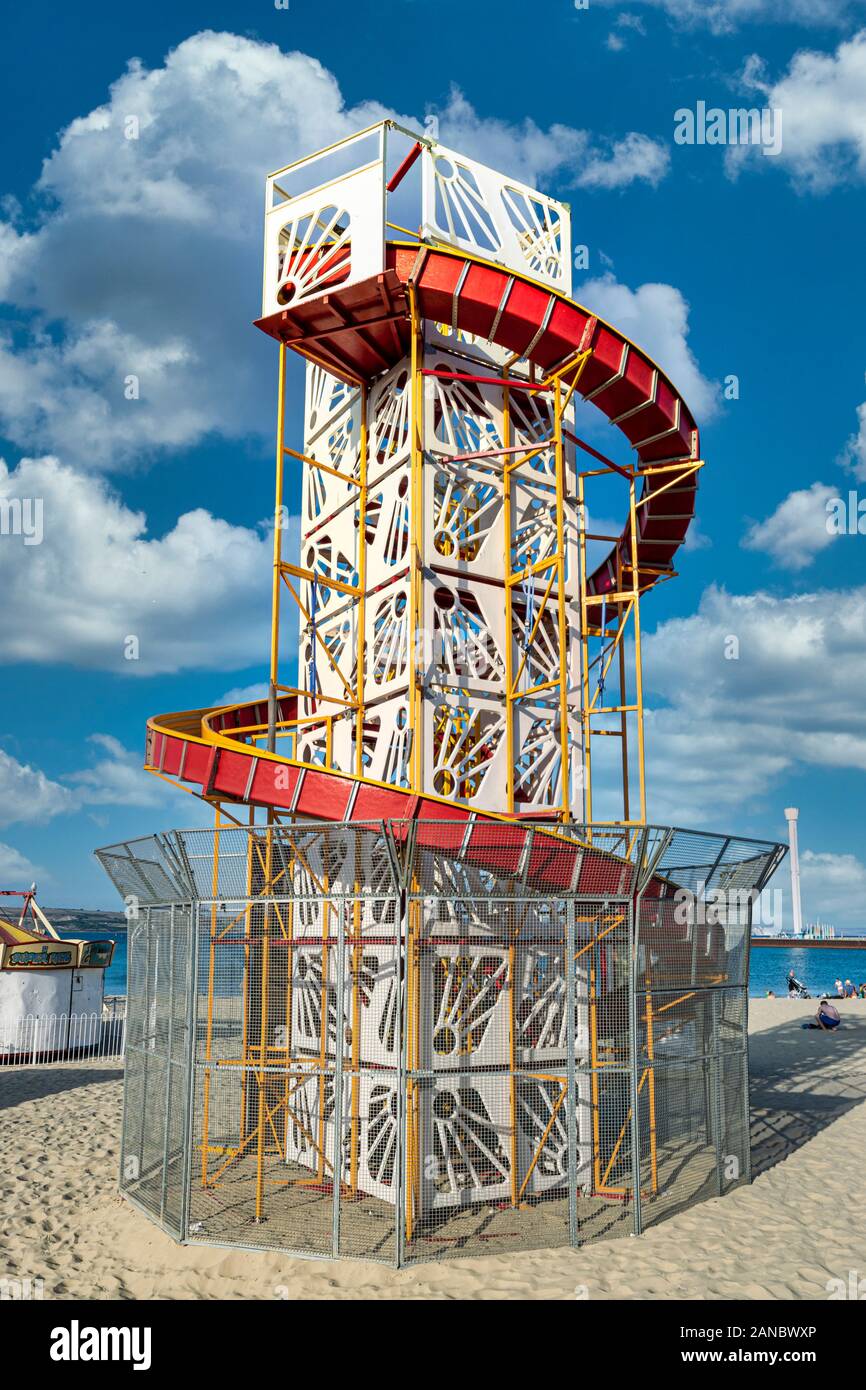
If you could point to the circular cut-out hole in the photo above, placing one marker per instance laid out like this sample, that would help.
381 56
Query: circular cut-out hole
444 1041
445 1106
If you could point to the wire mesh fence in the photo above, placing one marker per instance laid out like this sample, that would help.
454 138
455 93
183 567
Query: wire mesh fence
408 1041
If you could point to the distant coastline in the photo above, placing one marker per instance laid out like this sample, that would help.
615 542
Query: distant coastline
86 919
812 943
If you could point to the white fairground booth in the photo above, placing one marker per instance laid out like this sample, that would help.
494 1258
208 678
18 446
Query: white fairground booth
50 989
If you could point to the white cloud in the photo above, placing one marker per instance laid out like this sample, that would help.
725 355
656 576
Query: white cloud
532 154
26 794
822 98
196 597
797 530
618 37
633 158
696 538
114 777
724 16
71 394
145 260
117 778
15 868
656 317
853 455
536 156
730 729
833 887
243 694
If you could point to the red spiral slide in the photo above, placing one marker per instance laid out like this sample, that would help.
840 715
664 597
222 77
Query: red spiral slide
359 332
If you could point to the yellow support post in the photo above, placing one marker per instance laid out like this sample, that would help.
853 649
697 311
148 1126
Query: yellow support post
416 576
561 603
509 607
623 718
638 662
208 1050
246 985
278 553
263 1035
323 1012
650 1048
362 585
584 655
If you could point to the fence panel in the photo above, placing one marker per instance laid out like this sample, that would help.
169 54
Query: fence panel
397 1043
154 1145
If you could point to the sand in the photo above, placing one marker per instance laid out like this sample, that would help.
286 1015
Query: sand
796 1229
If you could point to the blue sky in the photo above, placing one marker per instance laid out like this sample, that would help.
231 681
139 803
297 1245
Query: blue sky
123 256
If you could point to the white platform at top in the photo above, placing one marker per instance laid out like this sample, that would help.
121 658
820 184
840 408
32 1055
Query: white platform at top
338 198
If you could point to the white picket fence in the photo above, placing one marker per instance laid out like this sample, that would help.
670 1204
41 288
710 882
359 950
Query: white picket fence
40 1039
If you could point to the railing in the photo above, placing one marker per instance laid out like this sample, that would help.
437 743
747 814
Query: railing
42 1039
326 215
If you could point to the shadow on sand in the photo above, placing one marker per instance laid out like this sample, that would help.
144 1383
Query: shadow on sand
19 1084
800 1083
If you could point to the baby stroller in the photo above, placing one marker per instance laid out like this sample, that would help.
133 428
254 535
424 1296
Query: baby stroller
796 988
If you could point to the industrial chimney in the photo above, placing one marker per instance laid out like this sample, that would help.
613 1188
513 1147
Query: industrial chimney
791 814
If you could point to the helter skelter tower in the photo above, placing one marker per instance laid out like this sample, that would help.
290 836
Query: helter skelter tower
469 671
456 638
439 545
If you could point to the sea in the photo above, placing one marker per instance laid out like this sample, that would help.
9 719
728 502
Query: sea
818 969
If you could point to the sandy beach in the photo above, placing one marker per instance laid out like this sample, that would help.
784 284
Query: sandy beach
794 1230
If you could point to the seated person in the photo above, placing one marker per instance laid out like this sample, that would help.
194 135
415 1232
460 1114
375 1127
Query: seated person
794 985
827 1018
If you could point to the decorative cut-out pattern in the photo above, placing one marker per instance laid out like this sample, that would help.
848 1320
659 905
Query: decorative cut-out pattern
538 762
390 413
332 424
465 740
539 229
467 505
466 1018
462 416
472 206
465 649
314 253
387 527
456 548
461 209
390 644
